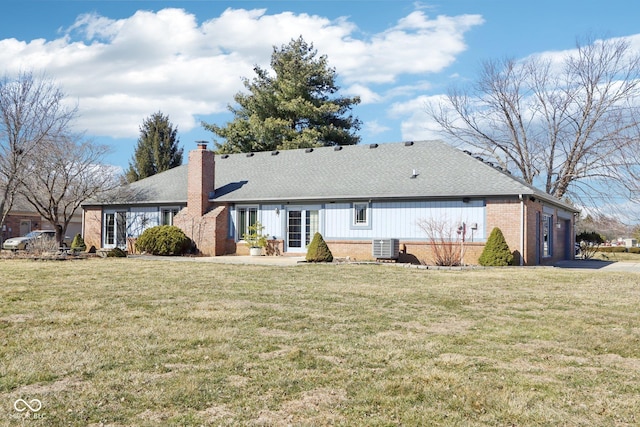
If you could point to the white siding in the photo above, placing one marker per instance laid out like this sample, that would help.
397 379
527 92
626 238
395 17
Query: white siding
141 218
271 218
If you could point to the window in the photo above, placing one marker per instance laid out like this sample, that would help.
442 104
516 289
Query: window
247 216
360 214
115 229
547 235
168 214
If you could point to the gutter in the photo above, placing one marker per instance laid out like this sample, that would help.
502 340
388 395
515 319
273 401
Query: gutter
522 230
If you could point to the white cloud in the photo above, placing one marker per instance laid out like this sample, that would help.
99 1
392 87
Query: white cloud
122 70
416 124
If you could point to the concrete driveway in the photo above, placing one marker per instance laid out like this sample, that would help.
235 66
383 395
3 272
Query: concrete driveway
600 265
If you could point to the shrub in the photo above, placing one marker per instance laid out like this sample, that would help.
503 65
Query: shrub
163 240
634 250
590 242
116 253
612 249
496 251
318 251
78 245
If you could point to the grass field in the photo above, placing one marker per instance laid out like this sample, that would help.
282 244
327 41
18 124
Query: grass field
127 342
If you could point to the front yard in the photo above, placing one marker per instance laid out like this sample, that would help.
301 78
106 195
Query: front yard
124 342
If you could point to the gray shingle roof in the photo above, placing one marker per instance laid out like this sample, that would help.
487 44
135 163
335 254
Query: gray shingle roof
379 171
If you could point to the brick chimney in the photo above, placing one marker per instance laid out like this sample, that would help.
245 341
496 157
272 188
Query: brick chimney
201 179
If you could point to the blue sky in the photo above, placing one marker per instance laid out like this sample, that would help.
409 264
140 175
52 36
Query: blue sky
125 60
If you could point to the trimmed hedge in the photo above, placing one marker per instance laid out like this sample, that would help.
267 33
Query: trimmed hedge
318 251
613 249
496 252
116 253
163 240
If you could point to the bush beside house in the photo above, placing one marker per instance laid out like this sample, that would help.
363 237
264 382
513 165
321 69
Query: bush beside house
496 252
163 240
318 251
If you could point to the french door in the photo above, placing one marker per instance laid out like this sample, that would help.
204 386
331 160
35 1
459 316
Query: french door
302 224
115 229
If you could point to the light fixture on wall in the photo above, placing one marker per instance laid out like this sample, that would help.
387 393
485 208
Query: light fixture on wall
277 211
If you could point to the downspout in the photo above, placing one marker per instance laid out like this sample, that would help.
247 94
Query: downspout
522 230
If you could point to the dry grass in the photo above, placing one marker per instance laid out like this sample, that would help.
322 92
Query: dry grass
123 342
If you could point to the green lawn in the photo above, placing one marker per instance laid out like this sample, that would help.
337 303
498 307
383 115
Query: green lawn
121 342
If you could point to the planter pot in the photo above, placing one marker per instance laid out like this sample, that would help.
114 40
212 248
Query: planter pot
255 251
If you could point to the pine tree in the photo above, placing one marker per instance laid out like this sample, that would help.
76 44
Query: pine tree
289 108
157 149
496 251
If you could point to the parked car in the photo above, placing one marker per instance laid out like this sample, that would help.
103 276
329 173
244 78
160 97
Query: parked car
28 240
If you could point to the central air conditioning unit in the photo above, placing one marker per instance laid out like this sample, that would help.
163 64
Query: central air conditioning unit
386 248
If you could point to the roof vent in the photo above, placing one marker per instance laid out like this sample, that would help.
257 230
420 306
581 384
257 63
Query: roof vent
408 143
373 145
250 154
224 156
308 150
467 152
479 158
275 153
414 174
337 148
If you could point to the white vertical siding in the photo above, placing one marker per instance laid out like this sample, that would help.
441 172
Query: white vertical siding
402 219
271 219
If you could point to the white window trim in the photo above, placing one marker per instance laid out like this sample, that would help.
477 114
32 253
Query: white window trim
354 216
238 235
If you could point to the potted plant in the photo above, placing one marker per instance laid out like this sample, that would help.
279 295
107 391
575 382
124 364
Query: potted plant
255 239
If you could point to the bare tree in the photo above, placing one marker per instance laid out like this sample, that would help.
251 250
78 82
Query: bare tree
31 111
568 124
62 174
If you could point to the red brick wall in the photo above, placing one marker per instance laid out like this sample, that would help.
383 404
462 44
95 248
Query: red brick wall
208 232
505 214
410 252
200 180
12 224
93 227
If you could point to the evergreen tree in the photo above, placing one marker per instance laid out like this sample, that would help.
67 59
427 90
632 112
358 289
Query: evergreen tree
318 251
157 149
289 108
496 252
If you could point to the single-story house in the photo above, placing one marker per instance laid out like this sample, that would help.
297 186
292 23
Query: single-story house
355 196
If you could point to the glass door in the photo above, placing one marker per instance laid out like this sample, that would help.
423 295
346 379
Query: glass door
302 224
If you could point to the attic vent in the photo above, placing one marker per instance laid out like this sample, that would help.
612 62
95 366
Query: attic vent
408 143
224 156
373 145
337 148
308 150
250 154
385 248
275 153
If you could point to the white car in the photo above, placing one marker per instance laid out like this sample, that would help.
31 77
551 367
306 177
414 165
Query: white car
29 239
